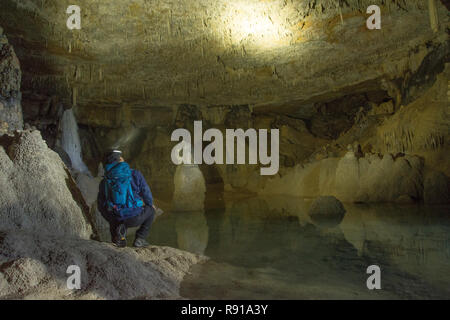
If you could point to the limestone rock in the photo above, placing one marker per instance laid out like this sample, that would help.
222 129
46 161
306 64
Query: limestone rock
386 179
320 75
199 52
326 210
10 80
405 199
384 108
88 187
21 274
367 179
34 267
347 177
38 193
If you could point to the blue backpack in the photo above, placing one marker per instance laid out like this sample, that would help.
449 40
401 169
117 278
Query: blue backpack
120 198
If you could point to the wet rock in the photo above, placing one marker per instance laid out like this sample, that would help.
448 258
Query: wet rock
405 199
327 211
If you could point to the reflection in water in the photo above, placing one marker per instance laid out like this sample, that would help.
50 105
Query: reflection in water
270 249
192 231
189 188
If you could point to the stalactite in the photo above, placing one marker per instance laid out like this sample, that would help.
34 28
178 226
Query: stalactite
434 18
74 96
78 72
338 5
169 22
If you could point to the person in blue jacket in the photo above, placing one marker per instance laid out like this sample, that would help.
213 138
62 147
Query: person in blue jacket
138 211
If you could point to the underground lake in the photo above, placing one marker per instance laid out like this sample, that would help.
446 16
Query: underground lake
269 248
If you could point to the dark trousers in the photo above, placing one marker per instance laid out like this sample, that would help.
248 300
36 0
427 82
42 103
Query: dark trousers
144 220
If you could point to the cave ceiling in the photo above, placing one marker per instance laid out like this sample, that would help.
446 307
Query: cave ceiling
268 54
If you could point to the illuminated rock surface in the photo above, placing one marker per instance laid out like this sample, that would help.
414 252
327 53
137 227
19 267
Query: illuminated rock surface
45 226
38 193
310 68
363 116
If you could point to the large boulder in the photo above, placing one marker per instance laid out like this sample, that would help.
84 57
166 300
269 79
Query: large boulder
326 211
38 192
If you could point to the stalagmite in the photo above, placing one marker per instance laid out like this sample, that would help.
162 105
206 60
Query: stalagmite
190 187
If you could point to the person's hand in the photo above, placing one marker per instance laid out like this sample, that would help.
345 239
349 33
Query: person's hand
153 206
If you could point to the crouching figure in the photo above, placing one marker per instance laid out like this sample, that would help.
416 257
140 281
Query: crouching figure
125 201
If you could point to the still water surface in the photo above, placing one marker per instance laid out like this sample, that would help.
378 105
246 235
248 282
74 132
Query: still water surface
271 249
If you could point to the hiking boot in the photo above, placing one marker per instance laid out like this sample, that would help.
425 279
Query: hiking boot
120 243
121 240
140 243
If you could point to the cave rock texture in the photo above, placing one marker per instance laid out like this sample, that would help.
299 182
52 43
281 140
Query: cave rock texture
45 228
137 70
10 79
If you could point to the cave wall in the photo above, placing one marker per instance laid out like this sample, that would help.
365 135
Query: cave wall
138 70
10 81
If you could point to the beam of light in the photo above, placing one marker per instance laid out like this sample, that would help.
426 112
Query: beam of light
126 139
255 24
